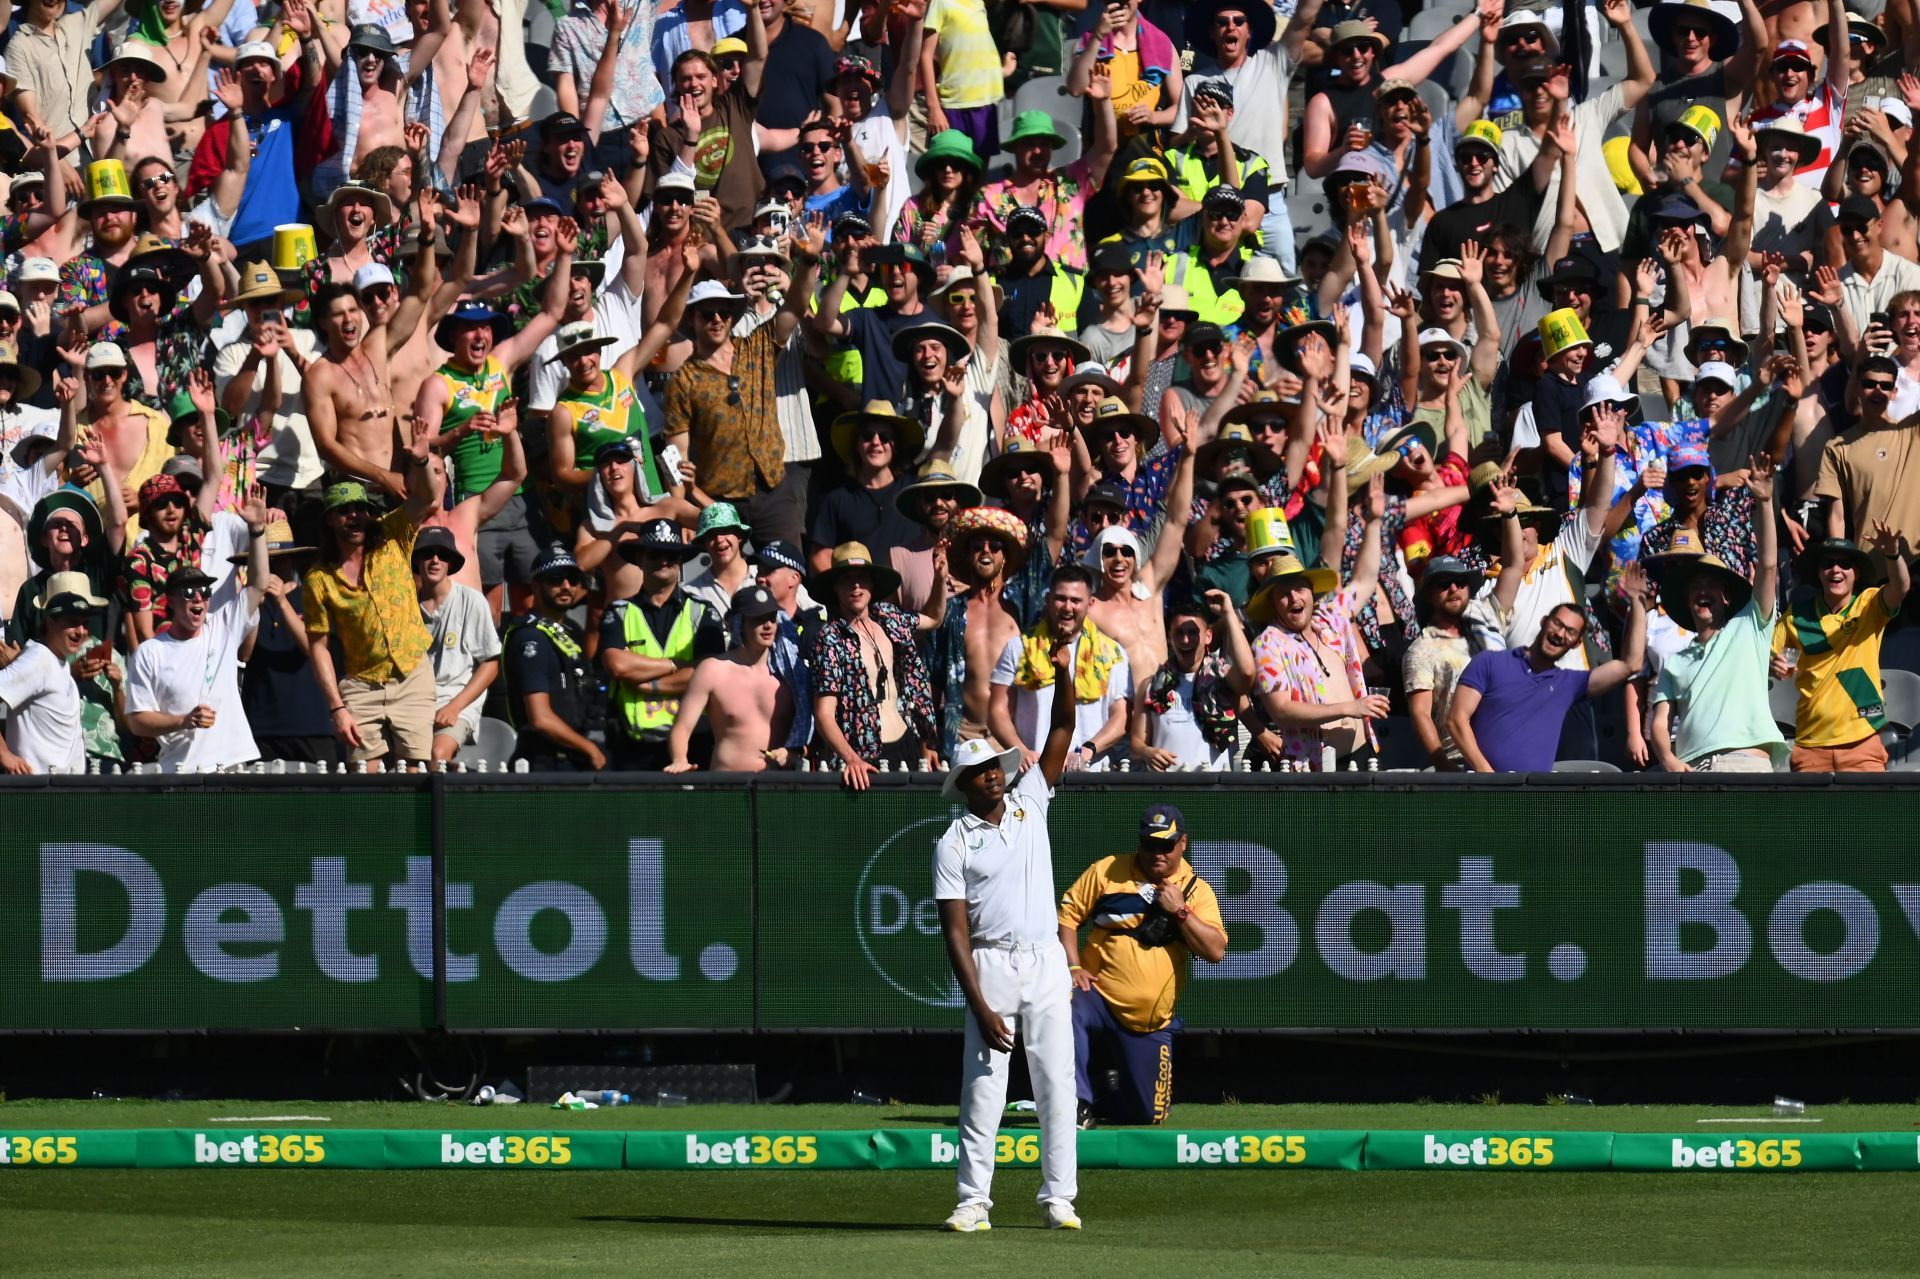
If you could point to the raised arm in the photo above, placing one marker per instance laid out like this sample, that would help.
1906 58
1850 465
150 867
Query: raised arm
753 69
1766 568
1059 739
1619 14
1423 64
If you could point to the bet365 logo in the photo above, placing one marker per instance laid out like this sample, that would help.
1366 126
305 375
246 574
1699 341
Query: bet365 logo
898 921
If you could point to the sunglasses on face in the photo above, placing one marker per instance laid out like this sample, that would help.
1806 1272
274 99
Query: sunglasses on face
171 499
1438 354
1875 384
1205 348
880 433
666 198
1230 20
445 557
574 580
960 299
1112 551
1518 38
1238 501
1101 516
104 375
1685 31
195 592
1187 634
986 543
815 148
156 181
1050 357
1714 344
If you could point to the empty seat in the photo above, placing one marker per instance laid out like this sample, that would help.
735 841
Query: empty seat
1584 766
1781 700
493 743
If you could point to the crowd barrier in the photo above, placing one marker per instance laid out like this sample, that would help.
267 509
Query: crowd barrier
1399 902
893 1149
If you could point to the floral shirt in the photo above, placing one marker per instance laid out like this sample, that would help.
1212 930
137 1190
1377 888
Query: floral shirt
1026 589
946 244
83 283
143 578
1726 526
383 247
382 636
1146 494
1286 663
1400 606
177 349
838 671
1216 707
1062 196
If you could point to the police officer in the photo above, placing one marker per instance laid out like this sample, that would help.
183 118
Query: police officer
550 685
649 645
1148 915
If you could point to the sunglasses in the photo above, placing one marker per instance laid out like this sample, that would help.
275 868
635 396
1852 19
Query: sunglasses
1113 552
565 579
1875 384
733 389
157 181
1239 501
1714 344
960 299
171 499
1439 353
1049 356
986 542
437 553
673 197
1205 348
873 433
104 375
815 148
1230 20
195 592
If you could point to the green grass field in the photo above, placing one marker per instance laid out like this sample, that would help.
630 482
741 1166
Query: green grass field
261 1222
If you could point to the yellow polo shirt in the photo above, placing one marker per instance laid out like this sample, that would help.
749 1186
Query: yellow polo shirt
1141 983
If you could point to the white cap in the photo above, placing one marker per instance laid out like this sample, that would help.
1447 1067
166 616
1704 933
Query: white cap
1437 336
371 274
1716 371
674 179
37 271
1895 109
255 49
8 302
1360 362
712 291
105 355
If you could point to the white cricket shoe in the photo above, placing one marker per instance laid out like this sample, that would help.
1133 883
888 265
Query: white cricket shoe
968 1218
1061 1217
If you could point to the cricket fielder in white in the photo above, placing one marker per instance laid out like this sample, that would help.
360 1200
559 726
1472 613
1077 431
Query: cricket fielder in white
993 878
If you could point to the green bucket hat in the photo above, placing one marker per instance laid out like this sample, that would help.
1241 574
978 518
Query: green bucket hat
348 493
182 413
1035 124
949 144
64 498
721 517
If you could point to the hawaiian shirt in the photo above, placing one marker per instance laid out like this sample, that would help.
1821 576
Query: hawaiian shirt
1146 493
1286 663
143 577
1373 628
1062 196
1726 527
177 348
382 637
83 283
838 672
1026 589
383 246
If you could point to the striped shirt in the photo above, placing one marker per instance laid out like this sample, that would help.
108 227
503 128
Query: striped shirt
1821 116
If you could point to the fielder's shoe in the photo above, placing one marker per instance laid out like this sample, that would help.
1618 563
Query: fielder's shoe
968 1218
1061 1217
1083 1117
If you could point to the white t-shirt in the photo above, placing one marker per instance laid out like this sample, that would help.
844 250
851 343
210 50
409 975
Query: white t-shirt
463 637
616 315
43 711
878 137
1004 873
1546 588
1033 708
1260 103
1606 211
1862 297
174 675
1175 729
290 458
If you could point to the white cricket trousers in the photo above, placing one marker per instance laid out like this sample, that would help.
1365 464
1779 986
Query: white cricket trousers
1029 987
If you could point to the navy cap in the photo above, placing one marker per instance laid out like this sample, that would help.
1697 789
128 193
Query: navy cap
555 559
781 555
544 204
1107 492
562 123
1162 823
1859 207
786 172
620 448
753 600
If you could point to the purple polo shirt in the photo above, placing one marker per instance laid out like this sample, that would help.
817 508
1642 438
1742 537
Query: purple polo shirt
1521 710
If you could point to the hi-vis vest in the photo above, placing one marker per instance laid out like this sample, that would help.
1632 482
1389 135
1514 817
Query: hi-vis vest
651 715
1210 304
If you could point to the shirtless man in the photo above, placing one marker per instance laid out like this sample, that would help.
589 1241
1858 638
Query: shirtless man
134 124
991 544
350 392
747 706
411 320
475 32
1126 602
667 240
468 514
383 90
617 468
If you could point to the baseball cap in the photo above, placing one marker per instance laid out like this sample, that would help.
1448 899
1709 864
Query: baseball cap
1216 88
371 274
1795 50
728 47
1716 371
561 123
1483 133
8 302
1525 71
191 575
157 487
1107 493
255 49
621 448
752 600
674 181
348 493
105 355
1857 206
37 271
1027 214
1110 259
1162 823
781 555
1896 110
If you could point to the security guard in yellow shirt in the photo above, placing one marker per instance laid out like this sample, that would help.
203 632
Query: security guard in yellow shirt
1148 915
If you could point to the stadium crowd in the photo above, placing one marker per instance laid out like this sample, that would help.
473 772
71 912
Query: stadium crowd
730 386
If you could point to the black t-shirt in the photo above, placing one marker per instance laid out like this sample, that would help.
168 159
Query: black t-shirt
1454 225
799 69
278 692
849 513
1639 239
871 330
1556 411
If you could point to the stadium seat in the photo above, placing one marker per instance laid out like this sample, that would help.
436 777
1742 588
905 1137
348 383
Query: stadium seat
1654 407
1900 650
494 744
1307 207
1584 766
1427 25
1434 94
1049 94
1902 692
1782 700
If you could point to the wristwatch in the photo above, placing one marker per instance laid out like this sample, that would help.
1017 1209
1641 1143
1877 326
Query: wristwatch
1183 913
1089 748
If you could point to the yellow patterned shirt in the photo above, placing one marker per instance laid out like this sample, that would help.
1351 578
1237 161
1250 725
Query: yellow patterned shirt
378 622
